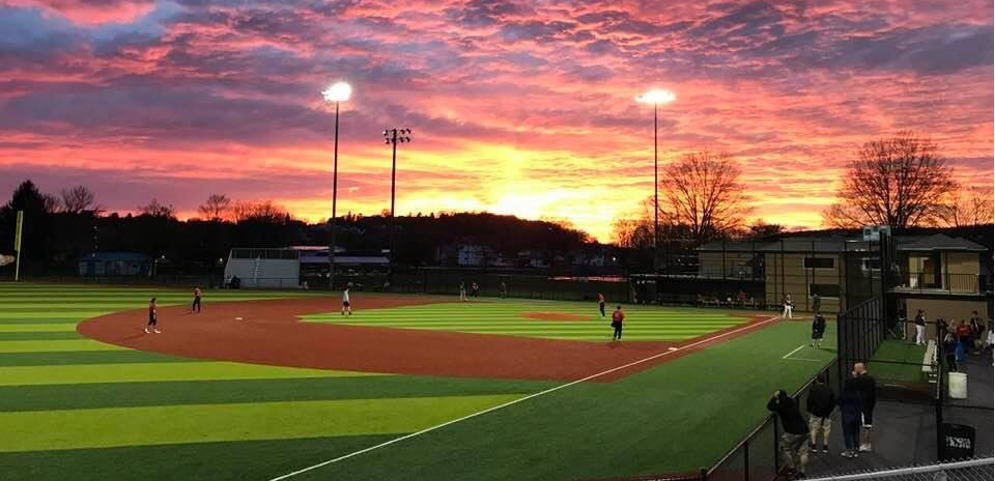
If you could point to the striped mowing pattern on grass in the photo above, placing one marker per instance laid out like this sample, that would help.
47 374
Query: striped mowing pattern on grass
87 394
505 317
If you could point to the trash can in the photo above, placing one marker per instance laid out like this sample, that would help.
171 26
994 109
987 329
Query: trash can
957 385
958 442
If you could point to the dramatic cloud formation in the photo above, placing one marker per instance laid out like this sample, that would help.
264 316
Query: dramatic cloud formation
518 107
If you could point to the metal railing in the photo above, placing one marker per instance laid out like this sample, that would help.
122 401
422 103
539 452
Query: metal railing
941 283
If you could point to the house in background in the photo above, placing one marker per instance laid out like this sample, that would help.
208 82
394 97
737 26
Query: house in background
99 264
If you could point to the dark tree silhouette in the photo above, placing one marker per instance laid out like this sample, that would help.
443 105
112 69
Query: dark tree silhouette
156 209
78 200
901 181
216 208
967 208
701 191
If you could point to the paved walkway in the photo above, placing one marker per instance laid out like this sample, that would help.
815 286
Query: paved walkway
905 432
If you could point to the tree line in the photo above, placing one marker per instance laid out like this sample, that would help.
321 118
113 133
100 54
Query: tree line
60 229
902 181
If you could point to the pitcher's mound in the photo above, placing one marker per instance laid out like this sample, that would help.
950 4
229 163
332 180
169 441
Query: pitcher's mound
555 316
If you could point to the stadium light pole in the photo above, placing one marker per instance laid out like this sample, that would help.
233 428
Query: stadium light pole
393 137
656 97
337 92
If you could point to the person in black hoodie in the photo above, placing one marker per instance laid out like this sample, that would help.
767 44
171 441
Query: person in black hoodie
820 405
818 330
794 431
850 408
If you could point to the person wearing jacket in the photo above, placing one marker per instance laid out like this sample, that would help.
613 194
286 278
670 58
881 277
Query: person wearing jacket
868 387
820 405
818 330
794 431
850 409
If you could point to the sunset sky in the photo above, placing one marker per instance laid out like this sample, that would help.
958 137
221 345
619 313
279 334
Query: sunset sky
516 107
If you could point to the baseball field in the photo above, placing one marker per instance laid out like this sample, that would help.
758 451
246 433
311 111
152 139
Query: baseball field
280 385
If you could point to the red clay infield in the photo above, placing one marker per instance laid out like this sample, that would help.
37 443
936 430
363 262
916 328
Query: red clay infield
271 333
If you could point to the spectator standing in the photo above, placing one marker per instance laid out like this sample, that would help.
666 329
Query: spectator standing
991 342
868 387
462 292
950 350
816 302
794 434
820 405
977 331
850 406
963 340
921 328
504 290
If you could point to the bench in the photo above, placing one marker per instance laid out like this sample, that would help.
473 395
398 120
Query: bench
929 360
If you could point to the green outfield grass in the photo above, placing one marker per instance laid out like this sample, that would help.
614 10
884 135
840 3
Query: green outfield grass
73 408
506 317
897 360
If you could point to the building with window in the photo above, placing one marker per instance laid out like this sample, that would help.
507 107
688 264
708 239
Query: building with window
945 275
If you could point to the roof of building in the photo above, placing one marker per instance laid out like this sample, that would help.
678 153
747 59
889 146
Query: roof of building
940 242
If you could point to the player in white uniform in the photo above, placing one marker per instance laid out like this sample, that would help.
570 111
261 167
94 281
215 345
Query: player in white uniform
345 302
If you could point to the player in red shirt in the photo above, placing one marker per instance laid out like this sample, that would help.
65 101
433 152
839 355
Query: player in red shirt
153 318
618 317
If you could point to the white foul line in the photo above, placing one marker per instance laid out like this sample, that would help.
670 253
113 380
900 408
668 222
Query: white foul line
516 401
799 348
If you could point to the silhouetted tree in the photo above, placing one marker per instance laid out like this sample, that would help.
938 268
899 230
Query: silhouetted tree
216 208
702 192
900 181
36 234
970 208
78 199
156 209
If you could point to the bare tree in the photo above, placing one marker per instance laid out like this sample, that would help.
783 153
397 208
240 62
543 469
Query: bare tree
633 233
156 209
51 203
701 191
262 211
78 199
762 230
900 181
973 207
215 208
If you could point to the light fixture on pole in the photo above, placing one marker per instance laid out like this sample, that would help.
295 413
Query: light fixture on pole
656 97
393 137
337 92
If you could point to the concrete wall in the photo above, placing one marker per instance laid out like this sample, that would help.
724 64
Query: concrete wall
786 274
265 273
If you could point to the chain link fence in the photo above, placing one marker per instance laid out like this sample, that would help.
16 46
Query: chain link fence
967 470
